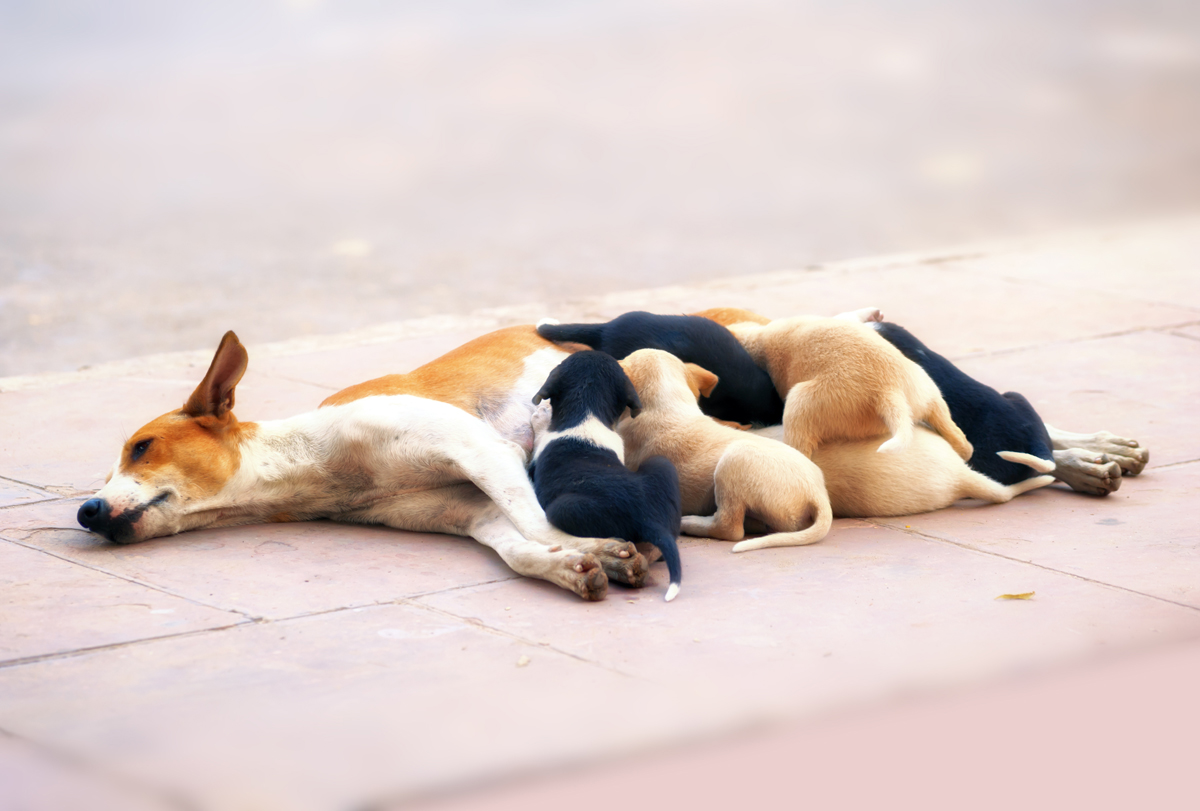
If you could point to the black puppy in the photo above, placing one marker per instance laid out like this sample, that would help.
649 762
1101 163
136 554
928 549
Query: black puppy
579 469
992 421
744 392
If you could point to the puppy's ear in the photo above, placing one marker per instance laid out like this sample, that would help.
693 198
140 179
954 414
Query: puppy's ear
631 398
700 379
549 389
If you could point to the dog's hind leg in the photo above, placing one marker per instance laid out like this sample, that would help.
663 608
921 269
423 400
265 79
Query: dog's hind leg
896 414
463 509
939 419
1127 453
800 418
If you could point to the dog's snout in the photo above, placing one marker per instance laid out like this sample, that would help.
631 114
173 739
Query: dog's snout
93 515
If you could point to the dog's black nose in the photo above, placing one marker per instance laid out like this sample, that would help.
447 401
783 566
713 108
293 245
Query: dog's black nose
93 514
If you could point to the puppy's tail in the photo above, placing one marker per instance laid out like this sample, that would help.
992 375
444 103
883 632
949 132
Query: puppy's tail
586 334
822 521
1036 462
669 546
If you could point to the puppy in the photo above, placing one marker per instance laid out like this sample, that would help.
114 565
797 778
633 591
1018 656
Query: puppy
725 475
927 475
842 381
745 393
993 422
578 467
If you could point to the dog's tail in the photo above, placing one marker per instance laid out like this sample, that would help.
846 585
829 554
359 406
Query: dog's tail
1029 460
669 546
822 521
586 334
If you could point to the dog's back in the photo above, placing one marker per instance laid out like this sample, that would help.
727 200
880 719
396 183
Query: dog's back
745 393
993 422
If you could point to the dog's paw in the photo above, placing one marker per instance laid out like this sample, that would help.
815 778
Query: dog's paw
623 563
1087 471
586 576
650 552
1127 453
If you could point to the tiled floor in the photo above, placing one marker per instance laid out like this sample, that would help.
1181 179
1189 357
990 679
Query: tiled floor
325 666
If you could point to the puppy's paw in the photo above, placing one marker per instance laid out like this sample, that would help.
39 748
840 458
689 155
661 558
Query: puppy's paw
1087 471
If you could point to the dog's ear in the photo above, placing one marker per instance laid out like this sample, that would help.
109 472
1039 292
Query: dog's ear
700 379
631 398
214 396
549 389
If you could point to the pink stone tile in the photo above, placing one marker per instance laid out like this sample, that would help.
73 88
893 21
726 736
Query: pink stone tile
335 710
69 435
271 570
33 780
48 605
866 612
1157 265
1142 537
13 494
336 369
1144 386
952 307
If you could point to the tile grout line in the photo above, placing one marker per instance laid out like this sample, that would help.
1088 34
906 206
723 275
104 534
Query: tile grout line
1069 341
1042 566
71 654
144 584
90 768
535 644
1173 464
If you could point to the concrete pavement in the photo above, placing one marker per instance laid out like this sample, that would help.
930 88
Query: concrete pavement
326 666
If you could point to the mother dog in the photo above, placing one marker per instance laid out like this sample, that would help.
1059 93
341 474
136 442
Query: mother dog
440 449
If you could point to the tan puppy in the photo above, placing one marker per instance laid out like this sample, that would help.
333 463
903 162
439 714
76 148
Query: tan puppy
841 381
927 476
724 474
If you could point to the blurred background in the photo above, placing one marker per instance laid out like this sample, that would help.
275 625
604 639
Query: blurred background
169 171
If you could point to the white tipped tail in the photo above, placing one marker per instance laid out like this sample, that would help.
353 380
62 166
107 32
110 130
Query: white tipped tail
672 592
545 321
1036 462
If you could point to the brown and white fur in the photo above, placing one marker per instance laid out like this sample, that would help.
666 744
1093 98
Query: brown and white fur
843 382
440 449
725 475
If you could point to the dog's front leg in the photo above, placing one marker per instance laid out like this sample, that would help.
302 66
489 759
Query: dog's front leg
497 467
462 509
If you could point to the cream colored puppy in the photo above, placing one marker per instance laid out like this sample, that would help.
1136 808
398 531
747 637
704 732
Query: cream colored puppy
841 381
927 475
724 474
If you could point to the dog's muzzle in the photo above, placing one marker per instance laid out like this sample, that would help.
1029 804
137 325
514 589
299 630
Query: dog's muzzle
96 515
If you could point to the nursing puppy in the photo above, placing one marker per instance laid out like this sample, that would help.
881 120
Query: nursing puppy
725 475
993 422
927 476
745 393
842 381
578 468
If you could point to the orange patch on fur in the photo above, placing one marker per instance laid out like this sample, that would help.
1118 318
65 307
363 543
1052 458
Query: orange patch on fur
479 369
732 315
198 453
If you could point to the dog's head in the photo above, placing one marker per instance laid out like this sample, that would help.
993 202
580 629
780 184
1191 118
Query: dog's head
588 383
663 379
173 464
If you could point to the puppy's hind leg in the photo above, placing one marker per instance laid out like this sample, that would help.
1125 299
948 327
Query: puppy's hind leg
801 420
939 419
894 410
